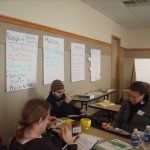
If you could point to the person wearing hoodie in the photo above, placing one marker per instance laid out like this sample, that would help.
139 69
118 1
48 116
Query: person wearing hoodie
29 131
135 111
62 105
60 102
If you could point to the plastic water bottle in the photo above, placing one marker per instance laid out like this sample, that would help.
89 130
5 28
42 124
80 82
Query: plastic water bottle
135 140
146 138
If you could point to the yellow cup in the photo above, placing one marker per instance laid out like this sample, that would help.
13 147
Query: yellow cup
85 123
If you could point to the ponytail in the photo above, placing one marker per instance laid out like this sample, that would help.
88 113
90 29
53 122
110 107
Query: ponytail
32 111
20 128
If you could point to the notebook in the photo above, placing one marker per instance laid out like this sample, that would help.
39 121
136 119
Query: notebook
87 142
114 144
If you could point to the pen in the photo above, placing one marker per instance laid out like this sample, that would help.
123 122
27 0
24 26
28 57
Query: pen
55 128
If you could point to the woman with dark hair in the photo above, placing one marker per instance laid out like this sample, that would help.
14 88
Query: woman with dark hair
35 117
135 111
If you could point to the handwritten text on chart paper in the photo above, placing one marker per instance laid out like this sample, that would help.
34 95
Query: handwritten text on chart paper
21 60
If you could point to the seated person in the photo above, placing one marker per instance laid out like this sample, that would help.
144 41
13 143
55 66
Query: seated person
135 111
60 102
35 117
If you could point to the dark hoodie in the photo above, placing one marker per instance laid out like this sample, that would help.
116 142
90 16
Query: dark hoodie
60 108
38 144
129 116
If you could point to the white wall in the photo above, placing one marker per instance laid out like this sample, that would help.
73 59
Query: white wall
76 17
138 38
68 15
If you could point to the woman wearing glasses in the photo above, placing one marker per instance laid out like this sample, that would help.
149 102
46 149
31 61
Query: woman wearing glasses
135 111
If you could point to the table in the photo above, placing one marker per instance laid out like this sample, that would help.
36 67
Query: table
94 131
97 94
111 110
104 135
107 136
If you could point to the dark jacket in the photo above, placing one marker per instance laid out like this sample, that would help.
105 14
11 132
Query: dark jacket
60 108
129 116
38 144
2 146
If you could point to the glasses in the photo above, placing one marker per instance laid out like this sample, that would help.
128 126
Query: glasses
60 92
133 97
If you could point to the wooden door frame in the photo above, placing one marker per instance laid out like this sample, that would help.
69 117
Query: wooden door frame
118 66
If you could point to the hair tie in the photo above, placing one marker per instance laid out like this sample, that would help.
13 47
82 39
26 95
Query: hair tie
23 125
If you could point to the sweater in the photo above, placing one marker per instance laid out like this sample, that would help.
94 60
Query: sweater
133 116
38 144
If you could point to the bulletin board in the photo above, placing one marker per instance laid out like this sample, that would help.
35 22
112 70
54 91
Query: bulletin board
40 31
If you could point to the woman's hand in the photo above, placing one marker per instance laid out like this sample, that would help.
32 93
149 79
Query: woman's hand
68 99
52 120
107 126
82 111
66 135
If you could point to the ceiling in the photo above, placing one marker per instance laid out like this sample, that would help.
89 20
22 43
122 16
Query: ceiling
127 13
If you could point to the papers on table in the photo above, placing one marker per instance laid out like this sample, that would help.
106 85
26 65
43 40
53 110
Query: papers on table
105 103
86 141
115 144
87 95
75 116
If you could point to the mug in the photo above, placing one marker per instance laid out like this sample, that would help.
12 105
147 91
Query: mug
85 123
